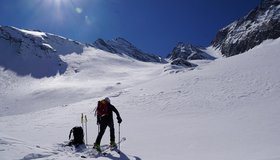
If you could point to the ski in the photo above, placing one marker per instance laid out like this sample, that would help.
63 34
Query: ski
105 148
114 148
88 151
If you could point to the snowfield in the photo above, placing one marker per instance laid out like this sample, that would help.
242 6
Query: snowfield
226 109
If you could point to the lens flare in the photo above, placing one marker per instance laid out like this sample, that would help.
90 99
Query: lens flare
79 10
88 20
57 2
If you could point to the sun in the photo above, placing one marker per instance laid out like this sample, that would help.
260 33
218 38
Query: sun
57 12
57 4
60 3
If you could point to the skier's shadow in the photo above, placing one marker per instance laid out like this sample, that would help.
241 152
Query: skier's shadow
122 157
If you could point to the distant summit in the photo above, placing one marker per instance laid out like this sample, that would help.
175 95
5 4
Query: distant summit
122 47
183 53
188 52
260 24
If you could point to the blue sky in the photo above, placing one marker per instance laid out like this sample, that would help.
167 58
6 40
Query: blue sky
155 26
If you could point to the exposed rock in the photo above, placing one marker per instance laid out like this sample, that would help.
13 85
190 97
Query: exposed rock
183 63
260 24
188 52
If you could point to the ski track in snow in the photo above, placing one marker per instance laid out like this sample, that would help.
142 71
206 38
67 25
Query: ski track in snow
223 109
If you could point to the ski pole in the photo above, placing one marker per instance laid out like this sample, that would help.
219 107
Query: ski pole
82 120
119 137
86 128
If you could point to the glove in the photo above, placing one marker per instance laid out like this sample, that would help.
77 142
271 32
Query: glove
119 119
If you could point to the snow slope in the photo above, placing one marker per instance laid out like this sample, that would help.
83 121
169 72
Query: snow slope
34 53
92 74
227 109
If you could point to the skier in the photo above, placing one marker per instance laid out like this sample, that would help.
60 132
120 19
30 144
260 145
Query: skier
104 114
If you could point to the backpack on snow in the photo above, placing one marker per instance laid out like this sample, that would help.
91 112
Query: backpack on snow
78 134
102 108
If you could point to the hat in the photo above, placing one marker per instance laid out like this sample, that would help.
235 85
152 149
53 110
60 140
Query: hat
107 100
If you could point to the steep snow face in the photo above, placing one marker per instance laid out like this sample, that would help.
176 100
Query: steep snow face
33 52
260 24
123 47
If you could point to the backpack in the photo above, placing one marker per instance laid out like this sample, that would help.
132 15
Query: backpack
78 134
102 108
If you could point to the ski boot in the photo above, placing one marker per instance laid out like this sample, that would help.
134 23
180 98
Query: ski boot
113 145
97 147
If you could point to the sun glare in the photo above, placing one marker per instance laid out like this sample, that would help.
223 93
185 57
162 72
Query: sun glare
61 10
58 3
58 8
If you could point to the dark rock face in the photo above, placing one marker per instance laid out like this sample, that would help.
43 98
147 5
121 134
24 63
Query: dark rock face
183 63
182 53
188 52
101 44
123 47
260 24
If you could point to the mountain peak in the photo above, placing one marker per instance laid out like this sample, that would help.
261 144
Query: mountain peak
123 41
188 51
267 3
260 24
122 46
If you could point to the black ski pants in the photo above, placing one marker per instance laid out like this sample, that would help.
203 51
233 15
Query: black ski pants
104 122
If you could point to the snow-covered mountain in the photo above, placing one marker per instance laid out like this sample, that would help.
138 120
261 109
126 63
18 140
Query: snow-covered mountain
188 52
260 24
220 109
182 54
36 53
123 47
33 52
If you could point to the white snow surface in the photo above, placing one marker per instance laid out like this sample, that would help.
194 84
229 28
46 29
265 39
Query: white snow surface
226 109
33 33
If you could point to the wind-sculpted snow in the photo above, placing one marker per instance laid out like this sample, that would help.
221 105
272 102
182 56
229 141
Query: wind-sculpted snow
8 144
